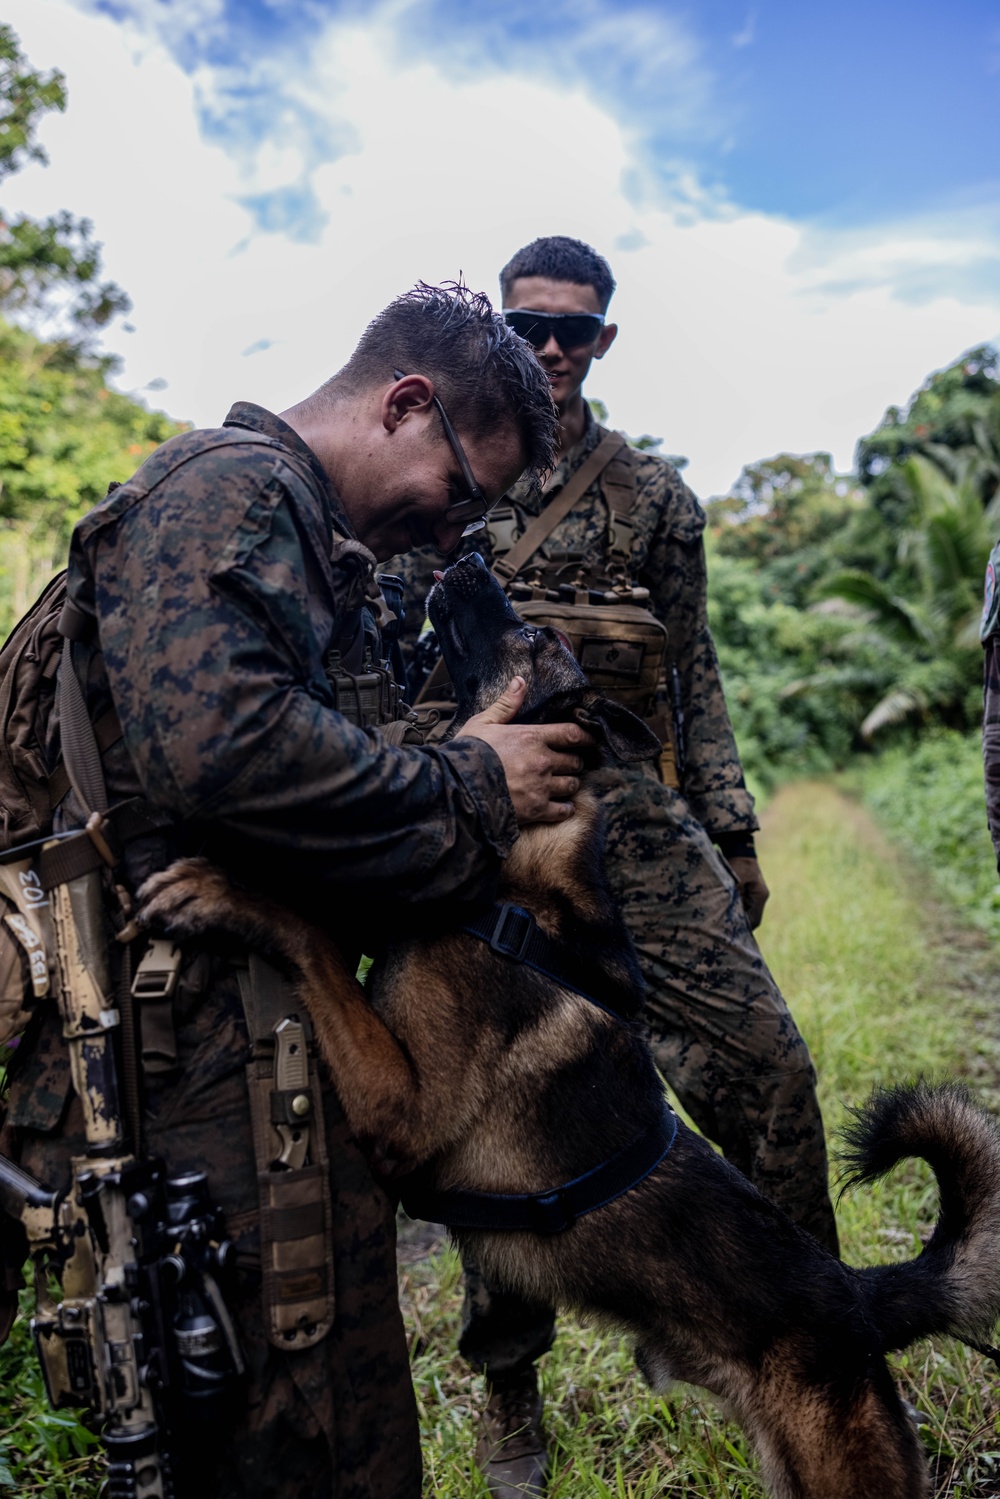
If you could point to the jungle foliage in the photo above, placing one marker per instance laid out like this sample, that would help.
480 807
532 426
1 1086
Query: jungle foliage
845 607
64 435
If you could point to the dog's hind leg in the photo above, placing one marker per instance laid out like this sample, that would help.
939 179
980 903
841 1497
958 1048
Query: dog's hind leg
821 1441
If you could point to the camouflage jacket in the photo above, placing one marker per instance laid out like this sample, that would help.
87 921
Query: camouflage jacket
217 601
990 634
668 558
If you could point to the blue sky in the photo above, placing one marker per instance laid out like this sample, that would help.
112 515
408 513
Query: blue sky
801 201
848 112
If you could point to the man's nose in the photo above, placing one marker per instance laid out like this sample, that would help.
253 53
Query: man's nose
550 349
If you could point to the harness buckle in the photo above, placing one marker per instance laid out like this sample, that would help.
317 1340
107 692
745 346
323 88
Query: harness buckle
552 1214
517 947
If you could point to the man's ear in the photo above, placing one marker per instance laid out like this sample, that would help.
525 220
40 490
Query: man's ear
606 338
408 393
625 735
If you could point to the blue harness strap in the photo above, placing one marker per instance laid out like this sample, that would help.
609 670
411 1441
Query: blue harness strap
549 1212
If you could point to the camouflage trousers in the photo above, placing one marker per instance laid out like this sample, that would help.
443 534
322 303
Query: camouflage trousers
336 1421
991 738
718 1027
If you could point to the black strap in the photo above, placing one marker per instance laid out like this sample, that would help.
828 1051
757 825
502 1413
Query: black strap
549 1212
79 746
514 933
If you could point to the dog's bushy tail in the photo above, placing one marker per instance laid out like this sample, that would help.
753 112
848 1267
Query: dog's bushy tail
954 1285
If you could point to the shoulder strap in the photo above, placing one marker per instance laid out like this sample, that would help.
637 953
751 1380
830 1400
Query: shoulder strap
80 750
620 488
541 528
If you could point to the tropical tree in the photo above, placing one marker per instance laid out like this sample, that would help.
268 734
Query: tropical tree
50 269
930 629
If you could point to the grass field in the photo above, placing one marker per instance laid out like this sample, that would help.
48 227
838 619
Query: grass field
885 984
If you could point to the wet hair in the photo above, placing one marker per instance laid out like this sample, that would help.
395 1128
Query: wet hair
561 259
482 372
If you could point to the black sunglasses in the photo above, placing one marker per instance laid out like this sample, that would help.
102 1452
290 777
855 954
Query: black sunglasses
475 509
571 330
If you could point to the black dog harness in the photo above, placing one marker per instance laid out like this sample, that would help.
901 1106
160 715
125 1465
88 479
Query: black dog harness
513 932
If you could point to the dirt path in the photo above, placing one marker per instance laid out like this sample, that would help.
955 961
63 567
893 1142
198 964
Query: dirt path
882 976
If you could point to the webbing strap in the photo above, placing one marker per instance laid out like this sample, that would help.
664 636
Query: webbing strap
556 1210
267 998
514 933
542 526
79 745
107 731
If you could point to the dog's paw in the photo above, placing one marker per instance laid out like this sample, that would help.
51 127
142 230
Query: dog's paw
187 899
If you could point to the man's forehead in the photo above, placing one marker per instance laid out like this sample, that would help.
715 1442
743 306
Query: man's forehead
545 294
496 457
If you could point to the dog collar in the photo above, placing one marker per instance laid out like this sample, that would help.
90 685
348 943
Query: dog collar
551 1212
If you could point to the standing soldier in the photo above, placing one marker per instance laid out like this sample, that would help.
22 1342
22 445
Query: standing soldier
610 552
990 635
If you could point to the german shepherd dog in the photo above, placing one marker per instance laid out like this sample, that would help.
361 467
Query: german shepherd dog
500 1079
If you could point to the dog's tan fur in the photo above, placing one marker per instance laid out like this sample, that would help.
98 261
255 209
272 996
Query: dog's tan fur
516 1089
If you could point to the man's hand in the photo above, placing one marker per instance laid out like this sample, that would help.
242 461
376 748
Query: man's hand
543 773
753 888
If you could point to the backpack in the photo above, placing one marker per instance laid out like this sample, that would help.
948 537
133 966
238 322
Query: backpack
29 795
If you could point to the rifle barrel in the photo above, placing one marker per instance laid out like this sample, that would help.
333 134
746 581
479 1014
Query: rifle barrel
18 1190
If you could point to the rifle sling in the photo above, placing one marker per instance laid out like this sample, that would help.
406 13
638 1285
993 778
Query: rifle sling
541 527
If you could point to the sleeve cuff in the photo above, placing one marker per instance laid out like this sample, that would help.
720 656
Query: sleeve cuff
735 845
480 770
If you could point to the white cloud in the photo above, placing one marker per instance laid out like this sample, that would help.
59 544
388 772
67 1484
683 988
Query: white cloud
741 334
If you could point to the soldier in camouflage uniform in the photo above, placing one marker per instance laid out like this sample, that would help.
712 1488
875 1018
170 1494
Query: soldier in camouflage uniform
225 580
990 635
681 863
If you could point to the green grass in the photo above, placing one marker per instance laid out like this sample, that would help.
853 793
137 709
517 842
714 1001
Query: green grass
885 985
929 796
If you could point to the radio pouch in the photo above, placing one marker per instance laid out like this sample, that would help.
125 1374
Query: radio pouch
293 1178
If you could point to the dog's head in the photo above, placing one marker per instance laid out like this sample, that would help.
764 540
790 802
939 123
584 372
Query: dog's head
484 643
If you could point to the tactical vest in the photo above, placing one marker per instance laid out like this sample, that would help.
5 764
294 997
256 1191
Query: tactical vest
601 613
296 1213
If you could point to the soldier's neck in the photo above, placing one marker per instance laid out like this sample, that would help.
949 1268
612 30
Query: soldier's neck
572 422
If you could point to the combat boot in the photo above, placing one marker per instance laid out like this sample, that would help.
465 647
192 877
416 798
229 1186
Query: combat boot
510 1450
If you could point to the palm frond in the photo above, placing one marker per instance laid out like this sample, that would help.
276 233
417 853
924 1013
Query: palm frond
895 708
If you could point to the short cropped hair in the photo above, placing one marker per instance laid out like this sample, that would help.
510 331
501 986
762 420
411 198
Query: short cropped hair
561 259
482 372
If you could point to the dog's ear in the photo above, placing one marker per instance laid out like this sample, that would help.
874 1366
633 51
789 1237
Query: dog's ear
617 728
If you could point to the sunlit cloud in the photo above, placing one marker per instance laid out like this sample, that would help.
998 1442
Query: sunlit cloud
261 202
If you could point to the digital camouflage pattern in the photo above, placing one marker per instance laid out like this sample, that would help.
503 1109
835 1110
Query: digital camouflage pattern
219 585
990 633
210 572
668 558
719 1028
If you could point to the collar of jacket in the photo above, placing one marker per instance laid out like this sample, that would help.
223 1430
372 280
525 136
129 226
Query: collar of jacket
259 419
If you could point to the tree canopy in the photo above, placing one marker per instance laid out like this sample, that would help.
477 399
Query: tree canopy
50 269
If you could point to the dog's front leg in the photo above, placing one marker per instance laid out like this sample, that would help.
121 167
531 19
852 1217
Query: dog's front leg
386 1099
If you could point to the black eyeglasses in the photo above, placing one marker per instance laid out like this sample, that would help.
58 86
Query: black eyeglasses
475 509
571 330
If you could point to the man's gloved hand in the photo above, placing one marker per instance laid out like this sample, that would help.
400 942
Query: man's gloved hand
753 887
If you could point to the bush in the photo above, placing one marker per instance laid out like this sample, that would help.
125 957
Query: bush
929 796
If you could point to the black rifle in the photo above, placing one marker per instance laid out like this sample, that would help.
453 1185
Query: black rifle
179 1361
